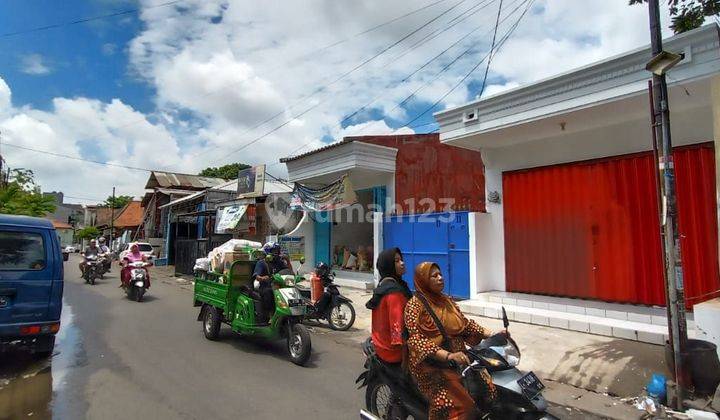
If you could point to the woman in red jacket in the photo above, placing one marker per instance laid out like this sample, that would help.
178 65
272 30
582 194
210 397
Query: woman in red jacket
387 305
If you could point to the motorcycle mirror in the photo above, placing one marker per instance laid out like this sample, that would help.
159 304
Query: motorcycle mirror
302 260
505 318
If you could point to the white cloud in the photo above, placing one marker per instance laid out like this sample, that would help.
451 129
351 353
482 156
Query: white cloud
109 48
5 97
233 64
34 64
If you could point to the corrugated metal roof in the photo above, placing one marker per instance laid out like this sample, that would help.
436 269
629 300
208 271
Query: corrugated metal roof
318 150
230 186
175 180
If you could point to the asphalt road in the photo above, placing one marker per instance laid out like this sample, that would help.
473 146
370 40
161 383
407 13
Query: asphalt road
120 359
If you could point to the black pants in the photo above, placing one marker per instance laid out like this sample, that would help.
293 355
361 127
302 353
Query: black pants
267 300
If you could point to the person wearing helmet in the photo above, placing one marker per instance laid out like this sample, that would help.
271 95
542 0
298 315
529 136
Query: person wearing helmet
105 251
92 249
264 270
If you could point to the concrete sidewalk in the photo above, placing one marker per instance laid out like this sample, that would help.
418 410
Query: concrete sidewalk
588 372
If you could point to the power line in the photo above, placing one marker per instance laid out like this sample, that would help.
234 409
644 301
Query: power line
437 75
342 76
492 48
85 20
46 152
487 56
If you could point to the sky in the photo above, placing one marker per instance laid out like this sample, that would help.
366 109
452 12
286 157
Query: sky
183 85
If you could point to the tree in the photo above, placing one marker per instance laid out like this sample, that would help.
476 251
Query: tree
225 172
22 196
688 14
118 202
88 233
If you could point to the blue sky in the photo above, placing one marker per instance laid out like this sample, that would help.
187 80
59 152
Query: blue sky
88 59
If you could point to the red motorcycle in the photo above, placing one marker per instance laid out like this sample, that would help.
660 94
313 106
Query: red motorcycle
135 279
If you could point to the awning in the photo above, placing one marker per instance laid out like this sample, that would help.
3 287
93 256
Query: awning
228 217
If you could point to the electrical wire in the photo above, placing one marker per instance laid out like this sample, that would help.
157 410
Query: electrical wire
86 20
487 56
342 76
46 152
527 3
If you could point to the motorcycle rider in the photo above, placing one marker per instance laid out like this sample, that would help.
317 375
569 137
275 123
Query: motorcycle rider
264 270
133 256
387 305
89 250
105 252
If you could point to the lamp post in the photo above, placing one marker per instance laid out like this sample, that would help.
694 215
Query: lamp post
661 62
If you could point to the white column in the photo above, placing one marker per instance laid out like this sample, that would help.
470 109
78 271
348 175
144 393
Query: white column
377 241
490 230
715 97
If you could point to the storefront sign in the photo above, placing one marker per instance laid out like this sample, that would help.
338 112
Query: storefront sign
228 217
334 196
293 246
251 181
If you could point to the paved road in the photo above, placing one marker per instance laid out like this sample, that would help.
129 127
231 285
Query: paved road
126 360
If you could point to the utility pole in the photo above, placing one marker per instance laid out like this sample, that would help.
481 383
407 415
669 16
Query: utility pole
677 324
112 217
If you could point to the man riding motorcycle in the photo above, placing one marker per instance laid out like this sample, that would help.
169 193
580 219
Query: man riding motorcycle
264 270
92 249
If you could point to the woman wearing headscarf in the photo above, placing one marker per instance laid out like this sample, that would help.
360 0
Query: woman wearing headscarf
133 256
429 352
388 305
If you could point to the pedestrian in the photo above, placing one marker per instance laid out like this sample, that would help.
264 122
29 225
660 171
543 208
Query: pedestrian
437 334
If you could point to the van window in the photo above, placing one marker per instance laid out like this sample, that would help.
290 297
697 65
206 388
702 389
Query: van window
21 251
145 247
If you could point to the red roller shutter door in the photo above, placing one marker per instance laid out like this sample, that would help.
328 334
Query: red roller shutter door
590 230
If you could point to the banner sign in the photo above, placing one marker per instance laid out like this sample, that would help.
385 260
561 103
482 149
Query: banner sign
251 181
334 196
292 246
228 217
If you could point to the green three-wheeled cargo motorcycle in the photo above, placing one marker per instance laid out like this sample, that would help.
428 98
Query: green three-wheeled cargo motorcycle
230 298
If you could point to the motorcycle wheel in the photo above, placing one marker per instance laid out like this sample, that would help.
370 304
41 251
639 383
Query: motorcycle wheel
380 401
342 316
299 345
211 323
138 294
92 280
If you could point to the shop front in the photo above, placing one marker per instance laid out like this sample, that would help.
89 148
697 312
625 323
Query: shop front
569 165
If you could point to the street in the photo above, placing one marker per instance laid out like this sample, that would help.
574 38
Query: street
119 359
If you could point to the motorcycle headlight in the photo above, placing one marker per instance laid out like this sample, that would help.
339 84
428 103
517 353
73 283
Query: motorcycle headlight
509 352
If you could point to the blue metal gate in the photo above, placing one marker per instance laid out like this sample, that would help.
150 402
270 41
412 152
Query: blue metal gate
442 238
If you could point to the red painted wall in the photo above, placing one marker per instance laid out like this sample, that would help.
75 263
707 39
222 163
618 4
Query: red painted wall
591 229
428 170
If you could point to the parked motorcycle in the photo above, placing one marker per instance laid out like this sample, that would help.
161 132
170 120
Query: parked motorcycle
139 280
91 271
393 395
332 306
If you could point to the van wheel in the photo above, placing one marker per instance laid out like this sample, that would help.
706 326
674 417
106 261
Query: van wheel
211 323
44 347
298 344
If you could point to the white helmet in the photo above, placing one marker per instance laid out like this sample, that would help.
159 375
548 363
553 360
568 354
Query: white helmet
101 239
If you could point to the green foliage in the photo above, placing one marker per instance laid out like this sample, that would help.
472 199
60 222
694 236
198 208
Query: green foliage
118 202
688 14
88 233
225 172
22 197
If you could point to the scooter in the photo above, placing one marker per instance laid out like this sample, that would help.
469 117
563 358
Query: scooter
519 395
91 271
332 307
139 280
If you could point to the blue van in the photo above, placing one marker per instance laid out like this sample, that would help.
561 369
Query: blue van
31 283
